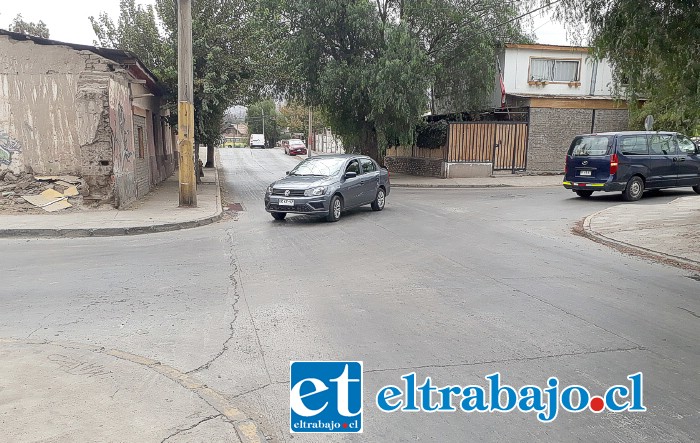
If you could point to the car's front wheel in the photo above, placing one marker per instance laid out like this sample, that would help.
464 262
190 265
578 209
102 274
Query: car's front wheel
335 209
278 215
379 201
584 194
696 188
634 189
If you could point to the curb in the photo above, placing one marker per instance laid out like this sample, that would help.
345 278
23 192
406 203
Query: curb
586 231
114 232
246 429
426 186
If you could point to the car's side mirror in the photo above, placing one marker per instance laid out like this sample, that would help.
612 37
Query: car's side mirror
287 172
350 174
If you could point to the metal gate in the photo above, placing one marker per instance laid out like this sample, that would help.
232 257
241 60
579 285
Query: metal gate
504 144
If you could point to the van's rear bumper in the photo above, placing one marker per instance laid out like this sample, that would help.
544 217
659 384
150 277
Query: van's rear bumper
610 186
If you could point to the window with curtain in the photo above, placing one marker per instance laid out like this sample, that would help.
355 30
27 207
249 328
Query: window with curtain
547 69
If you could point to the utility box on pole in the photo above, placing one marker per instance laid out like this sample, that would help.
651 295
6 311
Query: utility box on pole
185 108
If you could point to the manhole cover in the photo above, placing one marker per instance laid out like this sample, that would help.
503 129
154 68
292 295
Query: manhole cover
235 207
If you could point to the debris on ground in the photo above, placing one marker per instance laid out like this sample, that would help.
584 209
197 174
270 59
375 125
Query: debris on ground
26 193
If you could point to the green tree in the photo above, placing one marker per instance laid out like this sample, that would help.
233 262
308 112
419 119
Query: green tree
229 54
370 65
38 29
654 47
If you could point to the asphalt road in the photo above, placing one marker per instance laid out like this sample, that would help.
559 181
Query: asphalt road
454 284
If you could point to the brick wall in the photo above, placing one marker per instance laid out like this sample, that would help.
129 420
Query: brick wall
608 120
550 133
142 171
426 167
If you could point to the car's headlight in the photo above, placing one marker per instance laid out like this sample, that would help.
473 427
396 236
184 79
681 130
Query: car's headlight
315 191
269 190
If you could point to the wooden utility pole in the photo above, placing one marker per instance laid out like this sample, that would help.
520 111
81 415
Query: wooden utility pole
185 108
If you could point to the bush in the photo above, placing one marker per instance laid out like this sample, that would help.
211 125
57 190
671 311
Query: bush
432 135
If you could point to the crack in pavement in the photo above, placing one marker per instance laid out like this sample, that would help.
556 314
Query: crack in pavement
259 388
509 360
211 417
41 324
233 287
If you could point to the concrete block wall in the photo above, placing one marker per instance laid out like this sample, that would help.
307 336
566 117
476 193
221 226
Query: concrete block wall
552 130
610 120
550 133
426 167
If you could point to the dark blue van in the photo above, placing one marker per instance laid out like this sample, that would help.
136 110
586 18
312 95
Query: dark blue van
631 162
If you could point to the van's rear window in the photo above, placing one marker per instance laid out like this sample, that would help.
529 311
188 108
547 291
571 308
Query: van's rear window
589 145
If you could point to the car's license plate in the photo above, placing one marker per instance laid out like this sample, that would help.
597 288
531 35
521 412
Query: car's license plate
585 172
286 202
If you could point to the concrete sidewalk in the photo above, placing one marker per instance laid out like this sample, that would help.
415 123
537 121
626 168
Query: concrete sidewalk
156 212
62 391
497 181
667 232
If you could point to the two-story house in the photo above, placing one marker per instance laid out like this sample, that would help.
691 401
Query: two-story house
567 93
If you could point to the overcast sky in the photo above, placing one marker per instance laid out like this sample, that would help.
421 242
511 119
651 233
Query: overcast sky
68 21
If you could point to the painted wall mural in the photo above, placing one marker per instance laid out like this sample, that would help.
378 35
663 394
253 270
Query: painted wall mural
8 147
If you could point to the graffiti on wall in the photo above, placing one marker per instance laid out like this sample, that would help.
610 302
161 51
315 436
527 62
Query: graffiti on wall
8 146
122 127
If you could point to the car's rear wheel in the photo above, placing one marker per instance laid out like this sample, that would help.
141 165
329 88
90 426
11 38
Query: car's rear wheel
696 188
379 201
634 189
335 209
278 215
584 194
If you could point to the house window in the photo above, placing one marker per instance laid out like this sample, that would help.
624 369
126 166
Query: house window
552 70
140 139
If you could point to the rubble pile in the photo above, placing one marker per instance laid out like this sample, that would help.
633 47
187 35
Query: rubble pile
26 192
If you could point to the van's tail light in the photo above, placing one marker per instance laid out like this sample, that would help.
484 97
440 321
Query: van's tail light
613 164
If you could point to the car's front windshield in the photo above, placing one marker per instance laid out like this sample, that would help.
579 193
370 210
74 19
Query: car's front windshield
321 166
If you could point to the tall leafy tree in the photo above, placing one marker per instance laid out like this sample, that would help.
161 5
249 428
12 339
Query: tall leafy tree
38 29
371 64
229 53
654 46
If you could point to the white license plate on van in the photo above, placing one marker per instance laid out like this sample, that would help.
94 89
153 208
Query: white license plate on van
586 173
286 202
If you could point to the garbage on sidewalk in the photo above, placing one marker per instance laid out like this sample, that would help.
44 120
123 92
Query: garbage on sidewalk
49 200
25 192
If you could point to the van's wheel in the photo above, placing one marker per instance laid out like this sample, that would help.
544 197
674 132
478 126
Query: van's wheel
634 189
378 203
334 209
278 215
696 188
584 194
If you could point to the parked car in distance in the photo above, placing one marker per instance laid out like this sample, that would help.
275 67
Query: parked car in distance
257 141
328 185
631 162
295 146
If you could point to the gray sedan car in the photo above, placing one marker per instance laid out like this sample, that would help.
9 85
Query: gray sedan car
328 185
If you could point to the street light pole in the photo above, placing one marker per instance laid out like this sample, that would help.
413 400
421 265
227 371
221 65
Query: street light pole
185 108
311 134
